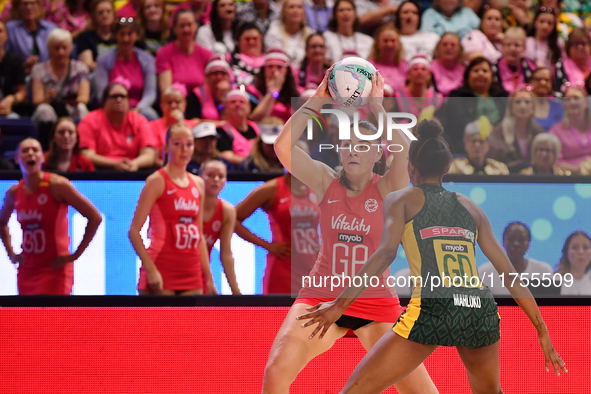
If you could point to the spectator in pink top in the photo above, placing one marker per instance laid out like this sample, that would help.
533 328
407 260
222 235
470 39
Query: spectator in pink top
182 61
274 87
447 66
486 42
315 63
418 96
543 45
513 70
132 64
575 68
204 102
71 15
201 9
173 104
387 55
249 57
574 131
114 137
238 134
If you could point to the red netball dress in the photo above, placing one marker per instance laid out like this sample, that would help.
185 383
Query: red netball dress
175 236
212 227
351 228
292 219
44 221
211 232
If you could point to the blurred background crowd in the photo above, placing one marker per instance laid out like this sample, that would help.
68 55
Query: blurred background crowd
99 82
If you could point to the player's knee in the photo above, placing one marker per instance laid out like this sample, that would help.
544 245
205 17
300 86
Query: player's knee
274 381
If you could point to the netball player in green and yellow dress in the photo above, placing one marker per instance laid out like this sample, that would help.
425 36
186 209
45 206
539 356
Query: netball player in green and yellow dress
449 306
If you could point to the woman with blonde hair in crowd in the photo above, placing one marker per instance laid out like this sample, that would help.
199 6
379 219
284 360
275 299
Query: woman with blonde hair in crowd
64 149
447 66
576 262
290 32
511 139
387 55
513 69
486 41
152 20
545 149
99 38
574 131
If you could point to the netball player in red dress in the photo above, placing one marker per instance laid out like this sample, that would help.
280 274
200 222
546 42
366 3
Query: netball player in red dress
172 198
351 227
219 217
41 200
293 217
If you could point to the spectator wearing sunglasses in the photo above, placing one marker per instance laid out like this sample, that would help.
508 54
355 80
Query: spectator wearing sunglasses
113 137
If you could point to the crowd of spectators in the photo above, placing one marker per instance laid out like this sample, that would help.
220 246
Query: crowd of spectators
508 80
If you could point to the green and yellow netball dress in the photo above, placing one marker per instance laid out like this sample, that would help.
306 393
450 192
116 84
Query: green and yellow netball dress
449 306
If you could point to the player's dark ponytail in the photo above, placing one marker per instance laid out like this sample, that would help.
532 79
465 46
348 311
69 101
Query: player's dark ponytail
430 154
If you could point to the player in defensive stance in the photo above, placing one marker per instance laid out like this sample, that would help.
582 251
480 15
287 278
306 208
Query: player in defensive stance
463 315
350 226
41 200
172 198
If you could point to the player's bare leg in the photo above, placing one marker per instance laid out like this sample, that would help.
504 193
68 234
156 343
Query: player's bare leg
389 361
418 381
482 365
292 350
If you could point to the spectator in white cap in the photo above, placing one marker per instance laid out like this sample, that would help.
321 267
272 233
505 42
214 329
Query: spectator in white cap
238 133
290 32
262 157
342 32
387 55
173 104
206 138
477 146
418 97
274 87
218 34
204 101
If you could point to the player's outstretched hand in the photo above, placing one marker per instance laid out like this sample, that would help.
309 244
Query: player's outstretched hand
323 314
322 90
59 261
211 288
551 355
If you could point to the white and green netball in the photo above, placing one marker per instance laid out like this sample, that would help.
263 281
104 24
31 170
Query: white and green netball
349 82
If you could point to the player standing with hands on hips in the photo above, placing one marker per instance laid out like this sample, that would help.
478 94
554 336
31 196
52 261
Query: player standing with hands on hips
464 314
350 202
172 197
41 200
